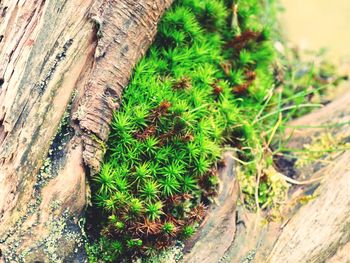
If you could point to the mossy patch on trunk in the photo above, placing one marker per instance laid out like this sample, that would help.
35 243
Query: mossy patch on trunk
208 82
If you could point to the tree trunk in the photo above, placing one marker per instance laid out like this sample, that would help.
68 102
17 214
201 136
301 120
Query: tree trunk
64 64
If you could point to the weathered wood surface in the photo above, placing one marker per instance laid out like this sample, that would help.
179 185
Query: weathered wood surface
318 231
60 58
334 117
218 229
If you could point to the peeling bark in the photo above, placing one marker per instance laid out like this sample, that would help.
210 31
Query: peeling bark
64 66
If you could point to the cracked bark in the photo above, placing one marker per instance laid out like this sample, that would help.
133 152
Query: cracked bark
64 64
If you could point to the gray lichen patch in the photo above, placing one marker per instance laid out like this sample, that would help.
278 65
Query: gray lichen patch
58 229
63 232
57 148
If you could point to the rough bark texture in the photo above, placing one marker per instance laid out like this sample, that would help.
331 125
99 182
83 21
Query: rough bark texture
64 64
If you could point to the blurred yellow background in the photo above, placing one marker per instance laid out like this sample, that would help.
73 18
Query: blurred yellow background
316 24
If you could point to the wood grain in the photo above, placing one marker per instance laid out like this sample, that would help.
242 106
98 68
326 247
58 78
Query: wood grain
218 229
64 64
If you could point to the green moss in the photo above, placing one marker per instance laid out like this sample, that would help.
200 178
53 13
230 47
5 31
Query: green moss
176 113
205 83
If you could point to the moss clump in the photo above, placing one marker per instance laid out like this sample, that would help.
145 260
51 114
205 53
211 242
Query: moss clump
200 86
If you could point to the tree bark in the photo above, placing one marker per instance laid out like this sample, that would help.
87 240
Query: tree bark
64 64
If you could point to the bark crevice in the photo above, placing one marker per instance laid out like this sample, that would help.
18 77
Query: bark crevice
62 62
